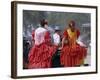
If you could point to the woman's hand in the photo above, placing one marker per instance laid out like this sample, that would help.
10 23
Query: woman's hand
60 48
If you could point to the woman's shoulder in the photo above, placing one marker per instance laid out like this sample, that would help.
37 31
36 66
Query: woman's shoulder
77 29
40 29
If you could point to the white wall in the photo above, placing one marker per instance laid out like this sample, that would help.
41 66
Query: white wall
5 40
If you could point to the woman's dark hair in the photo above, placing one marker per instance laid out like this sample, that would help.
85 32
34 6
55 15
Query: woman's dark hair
43 22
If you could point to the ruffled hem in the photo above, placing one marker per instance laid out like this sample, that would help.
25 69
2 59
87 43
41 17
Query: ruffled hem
40 56
72 56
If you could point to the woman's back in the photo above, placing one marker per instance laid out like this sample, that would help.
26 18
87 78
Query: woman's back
39 35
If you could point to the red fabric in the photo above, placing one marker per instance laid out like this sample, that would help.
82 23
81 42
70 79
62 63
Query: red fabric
40 56
33 34
65 34
47 38
78 33
72 55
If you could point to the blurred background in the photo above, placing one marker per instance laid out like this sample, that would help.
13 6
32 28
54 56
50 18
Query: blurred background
31 20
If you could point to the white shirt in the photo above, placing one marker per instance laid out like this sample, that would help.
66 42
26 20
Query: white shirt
39 35
56 38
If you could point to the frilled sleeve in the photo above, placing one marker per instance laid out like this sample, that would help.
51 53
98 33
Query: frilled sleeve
65 34
33 34
78 33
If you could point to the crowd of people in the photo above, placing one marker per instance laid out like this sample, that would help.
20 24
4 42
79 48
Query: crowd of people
48 43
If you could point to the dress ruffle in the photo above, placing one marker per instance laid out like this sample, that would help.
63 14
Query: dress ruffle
72 56
40 56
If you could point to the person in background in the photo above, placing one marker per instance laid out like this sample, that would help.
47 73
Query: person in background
33 34
42 51
72 53
56 42
56 36
26 48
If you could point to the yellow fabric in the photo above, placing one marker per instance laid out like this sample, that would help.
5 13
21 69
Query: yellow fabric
72 37
71 34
